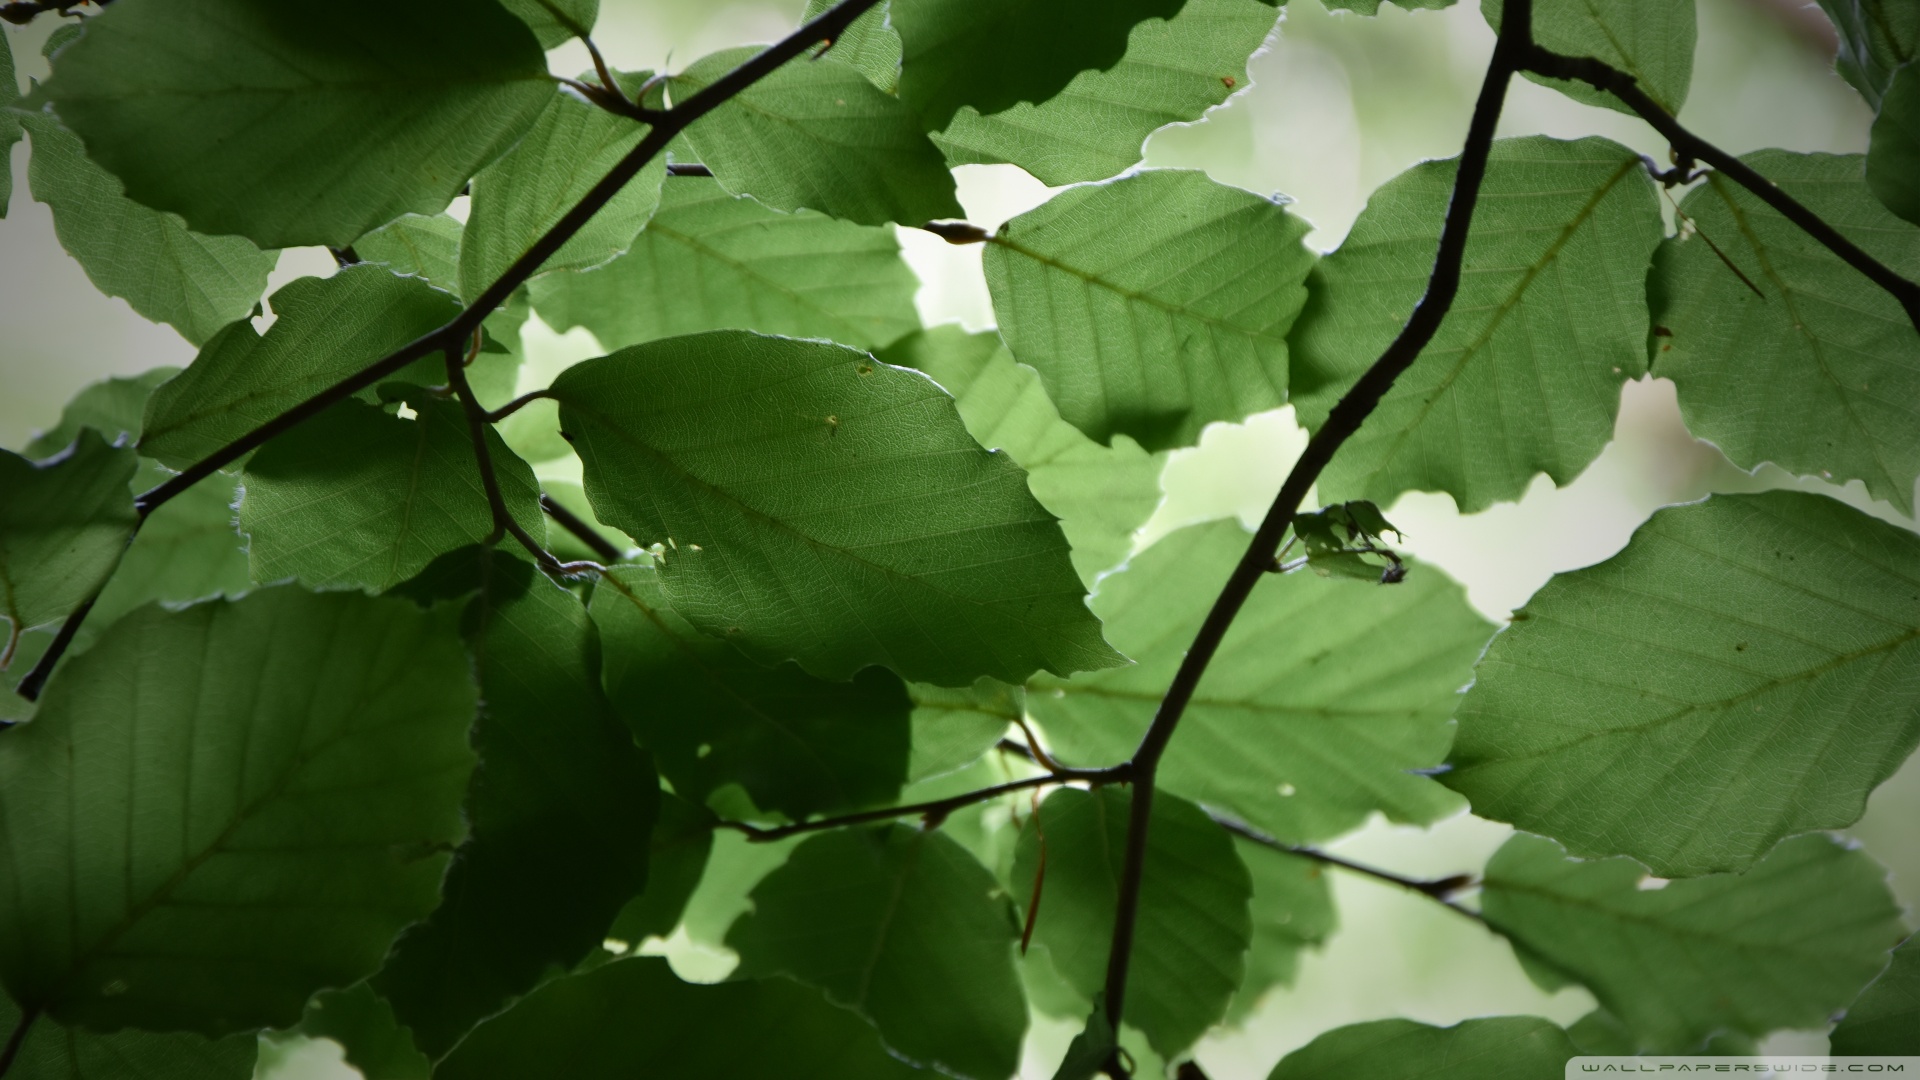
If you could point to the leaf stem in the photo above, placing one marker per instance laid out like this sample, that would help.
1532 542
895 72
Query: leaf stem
1443 284
581 531
1690 147
935 810
1440 889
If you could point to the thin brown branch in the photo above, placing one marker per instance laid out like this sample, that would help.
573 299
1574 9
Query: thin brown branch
1440 889
516 405
1341 423
581 531
1689 147
934 811
688 168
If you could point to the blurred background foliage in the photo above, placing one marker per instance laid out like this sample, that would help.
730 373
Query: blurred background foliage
1337 105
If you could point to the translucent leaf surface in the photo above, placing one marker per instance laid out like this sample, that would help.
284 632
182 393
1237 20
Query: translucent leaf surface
819 136
869 46
1292 909
325 330
562 808
63 526
1174 70
1819 372
519 197
676 859
1524 375
905 928
1190 944
417 244
1516 1047
359 497
371 1039
1877 38
554 21
1157 329
195 283
1748 668
219 811
953 728
1651 40
1326 694
1893 161
712 261
690 1032
993 54
10 129
299 121
1784 945
53 1051
1100 493
826 508
712 716
1885 1019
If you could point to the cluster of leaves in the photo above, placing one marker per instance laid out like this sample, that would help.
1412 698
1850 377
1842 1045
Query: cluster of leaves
323 750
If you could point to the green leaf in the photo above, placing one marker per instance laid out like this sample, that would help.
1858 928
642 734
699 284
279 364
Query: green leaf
563 806
1101 494
634 1018
818 136
219 811
63 526
1090 1050
1322 728
418 245
1784 945
712 261
869 45
10 128
325 329
371 1039
1372 7
1155 330
1524 375
53 1050
1893 160
1189 948
357 497
1748 668
1819 372
1292 909
993 54
826 508
297 122
197 284
797 744
1885 1019
904 928
555 21
953 728
677 858
112 407
1516 1047
1174 70
1650 40
1877 38
518 198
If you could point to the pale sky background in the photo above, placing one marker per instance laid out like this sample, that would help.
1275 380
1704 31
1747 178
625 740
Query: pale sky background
1337 105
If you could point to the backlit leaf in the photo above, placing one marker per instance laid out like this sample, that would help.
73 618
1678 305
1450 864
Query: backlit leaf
1885 1019
417 244
1650 40
555 21
1524 375
819 136
1893 161
1516 1047
370 1038
64 524
54 1051
1818 372
1174 70
676 859
219 811
952 728
1877 38
635 1018
905 928
1292 909
195 283
1155 330
359 497
1190 944
826 508
797 744
297 122
712 261
325 330
1784 945
1748 668
1327 694
869 46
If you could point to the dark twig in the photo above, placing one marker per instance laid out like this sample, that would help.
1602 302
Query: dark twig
1689 146
1441 889
516 405
581 531
688 168
1345 419
957 232
19 1038
934 811
22 12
